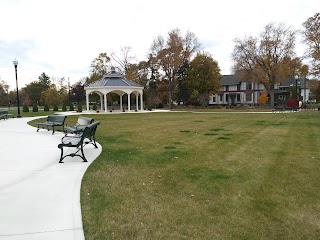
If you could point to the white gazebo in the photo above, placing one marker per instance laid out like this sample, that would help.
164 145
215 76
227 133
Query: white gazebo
114 82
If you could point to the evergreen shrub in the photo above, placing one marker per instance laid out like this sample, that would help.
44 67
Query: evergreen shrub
25 108
64 107
35 108
79 107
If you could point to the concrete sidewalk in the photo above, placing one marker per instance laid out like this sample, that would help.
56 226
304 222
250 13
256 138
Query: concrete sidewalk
39 198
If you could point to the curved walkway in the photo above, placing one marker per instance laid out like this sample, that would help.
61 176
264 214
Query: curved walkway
39 198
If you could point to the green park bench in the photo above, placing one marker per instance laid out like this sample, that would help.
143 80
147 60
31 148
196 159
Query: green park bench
78 141
5 115
81 124
52 122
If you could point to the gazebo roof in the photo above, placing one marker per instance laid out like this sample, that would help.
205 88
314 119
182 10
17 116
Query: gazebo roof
113 79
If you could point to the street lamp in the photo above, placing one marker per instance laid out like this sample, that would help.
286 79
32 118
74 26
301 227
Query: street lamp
15 63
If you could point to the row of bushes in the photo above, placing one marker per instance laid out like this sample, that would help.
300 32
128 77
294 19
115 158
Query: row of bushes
35 108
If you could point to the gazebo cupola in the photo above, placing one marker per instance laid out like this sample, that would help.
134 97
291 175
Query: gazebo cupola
114 82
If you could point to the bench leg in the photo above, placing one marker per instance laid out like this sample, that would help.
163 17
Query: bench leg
61 156
84 158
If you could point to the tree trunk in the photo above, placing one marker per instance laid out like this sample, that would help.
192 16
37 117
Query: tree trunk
170 92
271 93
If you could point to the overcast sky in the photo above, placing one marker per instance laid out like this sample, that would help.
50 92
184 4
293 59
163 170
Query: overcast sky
62 37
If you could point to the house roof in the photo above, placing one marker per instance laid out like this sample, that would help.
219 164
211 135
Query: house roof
291 81
113 79
230 80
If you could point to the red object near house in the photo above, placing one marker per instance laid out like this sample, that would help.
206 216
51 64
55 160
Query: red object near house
293 103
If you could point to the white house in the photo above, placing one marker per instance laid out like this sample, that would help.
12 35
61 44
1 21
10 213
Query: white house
238 92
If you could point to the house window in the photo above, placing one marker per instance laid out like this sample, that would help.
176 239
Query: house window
221 97
238 87
227 88
214 99
227 97
249 86
238 98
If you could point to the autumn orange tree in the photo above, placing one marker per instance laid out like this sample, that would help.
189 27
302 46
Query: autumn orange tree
263 98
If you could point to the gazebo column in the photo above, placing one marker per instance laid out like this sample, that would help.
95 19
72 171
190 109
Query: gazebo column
101 101
87 101
137 101
129 94
141 101
105 103
121 109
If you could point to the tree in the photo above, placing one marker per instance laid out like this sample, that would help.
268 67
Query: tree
51 97
123 59
204 76
172 54
294 67
182 85
263 98
313 85
138 72
60 84
44 80
35 89
311 34
100 65
77 92
265 59
4 89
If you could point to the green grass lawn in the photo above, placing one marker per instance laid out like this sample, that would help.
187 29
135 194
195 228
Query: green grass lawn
204 176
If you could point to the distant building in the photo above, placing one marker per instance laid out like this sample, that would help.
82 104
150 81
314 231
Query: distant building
239 92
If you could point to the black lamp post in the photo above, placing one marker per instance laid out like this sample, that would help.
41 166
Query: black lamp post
15 63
